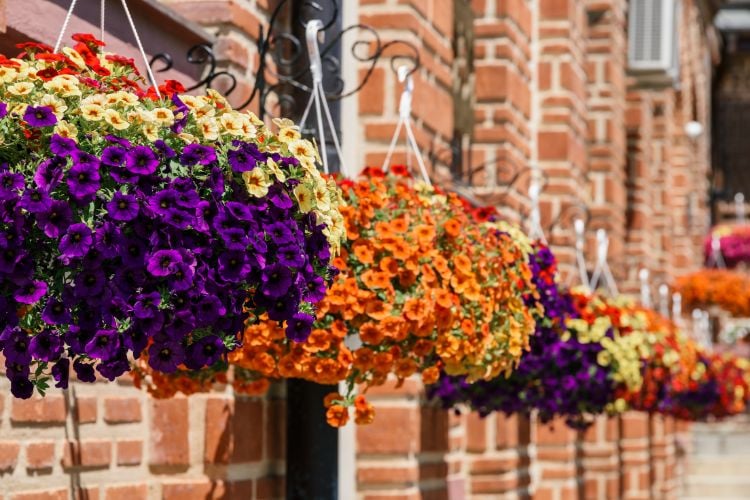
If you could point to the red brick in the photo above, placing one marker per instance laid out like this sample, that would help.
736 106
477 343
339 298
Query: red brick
127 492
120 410
634 425
386 475
270 488
40 455
86 409
87 493
395 430
47 410
169 432
8 455
199 489
59 494
507 431
129 452
476 433
372 95
226 436
555 433
87 453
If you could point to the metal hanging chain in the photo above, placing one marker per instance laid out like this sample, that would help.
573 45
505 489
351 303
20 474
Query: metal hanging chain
535 218
140 47
101 19
583 274
404 120
64 27
602 270
66 22
314 30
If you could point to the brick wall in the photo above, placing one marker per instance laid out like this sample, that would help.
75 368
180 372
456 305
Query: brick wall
110 441
550 88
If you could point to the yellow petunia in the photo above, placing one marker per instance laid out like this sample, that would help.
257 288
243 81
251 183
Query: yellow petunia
115 119
256 182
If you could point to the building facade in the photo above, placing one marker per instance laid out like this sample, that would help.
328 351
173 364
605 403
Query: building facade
504 89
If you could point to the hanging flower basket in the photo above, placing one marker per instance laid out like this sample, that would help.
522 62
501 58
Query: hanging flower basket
577 362
134 223
716 288
734 244
422 287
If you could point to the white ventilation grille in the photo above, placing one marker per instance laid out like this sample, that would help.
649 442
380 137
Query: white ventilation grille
653 37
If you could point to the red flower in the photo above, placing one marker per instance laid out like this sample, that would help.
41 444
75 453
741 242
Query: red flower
33 47
88 39
483 214
400 171
171 87
373 172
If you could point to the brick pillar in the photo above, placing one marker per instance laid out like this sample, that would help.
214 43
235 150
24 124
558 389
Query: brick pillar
504 86
662 457
561 137
634 456
405 453
606 50
497 455
428 25
556 466
683 450
600 459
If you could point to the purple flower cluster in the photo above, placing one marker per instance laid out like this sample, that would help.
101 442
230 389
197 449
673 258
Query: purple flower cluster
129 249
556 377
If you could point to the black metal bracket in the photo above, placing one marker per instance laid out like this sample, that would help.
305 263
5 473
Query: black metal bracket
284 69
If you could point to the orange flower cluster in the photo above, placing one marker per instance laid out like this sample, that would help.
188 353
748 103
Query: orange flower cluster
423 286
728 290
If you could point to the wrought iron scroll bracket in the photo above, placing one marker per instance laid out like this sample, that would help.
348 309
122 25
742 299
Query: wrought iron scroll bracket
281 58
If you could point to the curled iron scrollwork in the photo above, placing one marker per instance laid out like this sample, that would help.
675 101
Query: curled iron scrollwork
283 66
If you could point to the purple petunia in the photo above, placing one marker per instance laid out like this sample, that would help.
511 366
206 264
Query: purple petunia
123 207
163 262
84 371
62 146
141 160
77 241
39 116
49 173
83 179
30 292
61 373
204 352
10 185
35 200
299 327
103 345
47 346
3 110
55 313
276 281
195 154
165 357
56 219
113 156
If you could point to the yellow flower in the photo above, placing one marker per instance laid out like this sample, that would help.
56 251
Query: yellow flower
232 124
322 198
151 131
603 358
63 85
210 128
67 130
75 57
274 168
304 197
164 116
204 112
7 74
21 88
57 106
289 134
92 112
256 182
188 138
302 149
115 119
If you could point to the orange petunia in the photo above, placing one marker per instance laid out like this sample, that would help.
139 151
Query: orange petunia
363 251
377 309
400 225
430 375
375 280
424 233
452 227
337 416
370 333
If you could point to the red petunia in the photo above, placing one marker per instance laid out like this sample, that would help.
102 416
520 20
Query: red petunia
400 170
88 39
373 172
